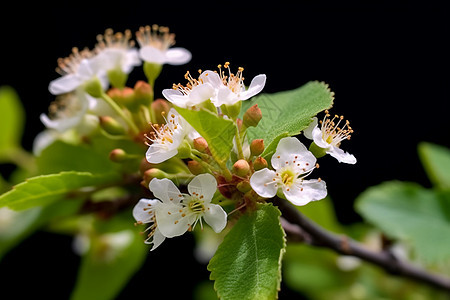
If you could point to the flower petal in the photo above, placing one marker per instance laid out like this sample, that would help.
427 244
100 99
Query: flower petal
178 56
144 210
341 155
201 93
262 183
306 191
286 149
64 84
157 239
255 87
43 140
171 222
318 138
175 97
216 217
212 78
165 190
224 96
152 55
157 154
203 185
309 130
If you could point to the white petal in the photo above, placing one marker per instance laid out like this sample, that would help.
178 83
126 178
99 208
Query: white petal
64 84
308 131
307 191
216 217
318 138
286 149
157 239
177 56
212 78
157 154
165 190
143 211
341 155
262 183
171 221
176 97
131 60
201 93
152 55
87 69
43 140
224 96
203 185
255 87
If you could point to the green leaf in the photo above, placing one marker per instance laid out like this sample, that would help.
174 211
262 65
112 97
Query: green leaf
61 156
46 189
115 255
410 213
12 118
288 111
247 265
436 162
218 132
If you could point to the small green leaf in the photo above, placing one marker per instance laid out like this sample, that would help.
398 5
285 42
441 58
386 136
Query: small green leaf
247 264
12 118
45 189
61 156
436 162
288 111
114 257
218 132
410 213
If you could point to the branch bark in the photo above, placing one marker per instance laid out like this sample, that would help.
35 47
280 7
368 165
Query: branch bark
342 244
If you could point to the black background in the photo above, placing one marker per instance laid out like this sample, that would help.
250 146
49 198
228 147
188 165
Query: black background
387 64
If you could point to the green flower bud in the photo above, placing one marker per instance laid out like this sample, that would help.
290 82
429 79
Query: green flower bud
111 126
244 186
118 155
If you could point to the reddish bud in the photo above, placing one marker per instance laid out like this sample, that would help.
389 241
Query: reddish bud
257 147
118 155
241 168
195 167
200 144
143 92
259 163
111 126
160 108
252 116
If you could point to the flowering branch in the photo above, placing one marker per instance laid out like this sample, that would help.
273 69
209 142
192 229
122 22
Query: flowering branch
313 234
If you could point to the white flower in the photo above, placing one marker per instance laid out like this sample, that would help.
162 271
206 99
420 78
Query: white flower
76 70
144 213
231 89
175 217
167 138
67 111
115 51
292 163
195 92
155 42
329 136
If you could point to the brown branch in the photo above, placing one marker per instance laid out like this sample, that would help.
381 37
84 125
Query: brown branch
344 245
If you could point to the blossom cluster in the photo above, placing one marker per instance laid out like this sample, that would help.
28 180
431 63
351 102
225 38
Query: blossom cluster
92 98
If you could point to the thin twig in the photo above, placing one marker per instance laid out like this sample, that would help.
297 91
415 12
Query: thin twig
346 246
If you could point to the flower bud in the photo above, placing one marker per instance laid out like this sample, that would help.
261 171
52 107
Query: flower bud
123 97
241 168
94 88
160 108
259 163
152 173
111 126
257 147
200 144
244 186
252 116
143 93
195 167
118 155
239 124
